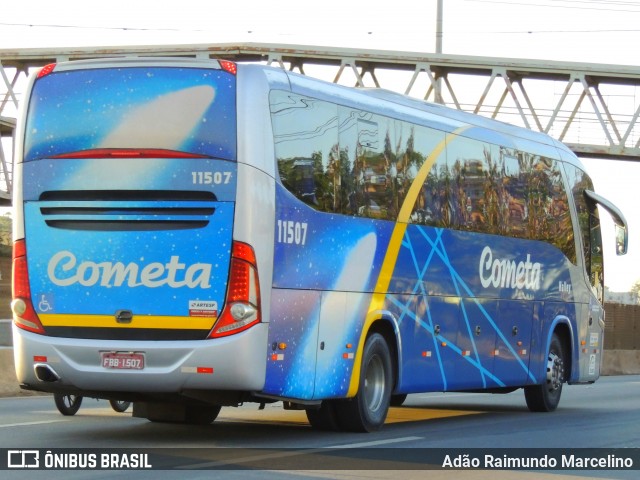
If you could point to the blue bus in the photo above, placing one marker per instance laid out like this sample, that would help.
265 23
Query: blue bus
192 234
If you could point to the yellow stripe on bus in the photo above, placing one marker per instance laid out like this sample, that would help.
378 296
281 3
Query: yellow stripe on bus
138 321
391 256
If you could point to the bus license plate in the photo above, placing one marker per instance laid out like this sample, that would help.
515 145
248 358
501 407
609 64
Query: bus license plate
123 361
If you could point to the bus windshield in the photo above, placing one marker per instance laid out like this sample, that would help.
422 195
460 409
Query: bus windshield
173 109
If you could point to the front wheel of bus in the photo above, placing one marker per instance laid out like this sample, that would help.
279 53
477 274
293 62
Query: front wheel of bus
546 397
367 411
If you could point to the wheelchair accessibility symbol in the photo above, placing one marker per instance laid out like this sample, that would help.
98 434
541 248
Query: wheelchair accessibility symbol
44 305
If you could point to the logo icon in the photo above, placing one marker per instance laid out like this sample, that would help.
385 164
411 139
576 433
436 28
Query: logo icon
23 459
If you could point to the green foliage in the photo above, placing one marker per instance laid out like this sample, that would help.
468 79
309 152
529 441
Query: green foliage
5 236
635 290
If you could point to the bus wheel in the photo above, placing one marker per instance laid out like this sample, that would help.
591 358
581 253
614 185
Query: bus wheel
119 405
176 413
67 404
398 400
546 397
367 411
323 418
201 415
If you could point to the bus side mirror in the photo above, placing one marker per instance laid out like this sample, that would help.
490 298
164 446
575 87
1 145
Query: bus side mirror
622 231
622 239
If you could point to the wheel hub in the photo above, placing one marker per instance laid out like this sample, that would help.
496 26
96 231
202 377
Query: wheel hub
555 371
374 383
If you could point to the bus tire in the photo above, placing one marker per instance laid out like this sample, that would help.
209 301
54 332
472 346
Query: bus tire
119 406
201 415
324 418
546 396
176 413
67 405
367 411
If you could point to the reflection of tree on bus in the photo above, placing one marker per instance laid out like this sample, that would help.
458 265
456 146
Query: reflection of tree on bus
304 181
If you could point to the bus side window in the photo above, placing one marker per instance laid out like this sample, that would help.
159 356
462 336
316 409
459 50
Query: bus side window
306 147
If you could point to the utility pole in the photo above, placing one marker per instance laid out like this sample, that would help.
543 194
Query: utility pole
438 89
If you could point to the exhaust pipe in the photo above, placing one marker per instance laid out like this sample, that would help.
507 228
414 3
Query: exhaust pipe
45 373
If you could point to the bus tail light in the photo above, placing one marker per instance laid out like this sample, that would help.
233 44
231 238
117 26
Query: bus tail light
24 315
46 70
242 306
228 66
127 153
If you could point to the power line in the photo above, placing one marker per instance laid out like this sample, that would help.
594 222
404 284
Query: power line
94 27
565 4
557 4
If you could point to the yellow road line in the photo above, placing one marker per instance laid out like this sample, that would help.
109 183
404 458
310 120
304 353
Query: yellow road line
408 414
298 417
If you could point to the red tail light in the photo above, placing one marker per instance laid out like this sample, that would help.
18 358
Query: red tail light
242 307
228 66
46 70
24 315
127 153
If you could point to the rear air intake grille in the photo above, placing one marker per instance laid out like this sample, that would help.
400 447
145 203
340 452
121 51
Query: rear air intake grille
120 210
127 195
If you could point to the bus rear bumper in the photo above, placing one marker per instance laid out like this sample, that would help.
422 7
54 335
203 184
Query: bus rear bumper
237 362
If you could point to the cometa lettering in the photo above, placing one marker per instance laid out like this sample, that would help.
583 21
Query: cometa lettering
502 273
64 270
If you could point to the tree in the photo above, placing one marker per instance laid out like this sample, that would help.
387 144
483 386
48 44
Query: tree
635 291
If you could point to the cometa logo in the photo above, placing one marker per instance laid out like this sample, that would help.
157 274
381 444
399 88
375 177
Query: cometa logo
64 270
501 273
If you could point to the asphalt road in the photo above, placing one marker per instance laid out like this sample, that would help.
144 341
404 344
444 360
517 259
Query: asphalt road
603 415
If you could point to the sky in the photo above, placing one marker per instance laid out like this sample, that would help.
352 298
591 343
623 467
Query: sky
594 31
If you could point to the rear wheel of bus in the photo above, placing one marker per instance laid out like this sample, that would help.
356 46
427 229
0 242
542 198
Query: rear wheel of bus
324 417
67 405
176 413
367 411
119 406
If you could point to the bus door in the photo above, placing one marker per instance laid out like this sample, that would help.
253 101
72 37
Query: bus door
593 313
293 339
338 336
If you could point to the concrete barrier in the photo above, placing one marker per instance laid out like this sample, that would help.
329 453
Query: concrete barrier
621 362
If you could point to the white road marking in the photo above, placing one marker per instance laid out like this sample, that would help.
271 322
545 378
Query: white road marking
285 454
26 424
377 442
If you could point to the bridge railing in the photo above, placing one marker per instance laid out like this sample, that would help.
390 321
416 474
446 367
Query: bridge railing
593 108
